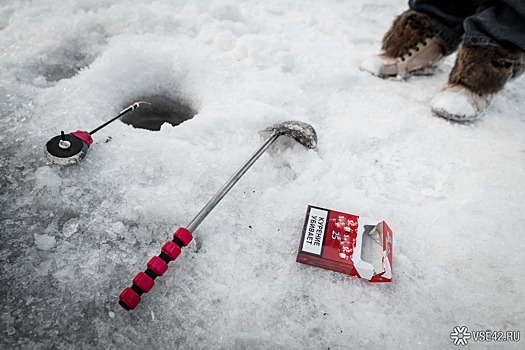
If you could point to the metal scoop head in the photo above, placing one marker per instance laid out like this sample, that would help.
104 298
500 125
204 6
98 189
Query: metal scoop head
301 132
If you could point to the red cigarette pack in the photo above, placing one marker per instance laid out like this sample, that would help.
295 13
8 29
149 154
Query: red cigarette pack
347 244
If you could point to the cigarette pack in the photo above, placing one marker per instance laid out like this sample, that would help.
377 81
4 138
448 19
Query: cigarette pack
346 243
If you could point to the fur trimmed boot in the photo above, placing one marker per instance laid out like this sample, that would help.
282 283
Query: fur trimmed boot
479 73
409 47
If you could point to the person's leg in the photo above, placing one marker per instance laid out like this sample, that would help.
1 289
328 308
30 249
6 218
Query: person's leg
420 37
449 16
497 23
492 53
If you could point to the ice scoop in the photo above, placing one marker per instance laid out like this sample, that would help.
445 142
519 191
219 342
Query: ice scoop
142 283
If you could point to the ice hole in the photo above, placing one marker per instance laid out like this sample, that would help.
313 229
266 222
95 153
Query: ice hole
56 72
64 63
161 110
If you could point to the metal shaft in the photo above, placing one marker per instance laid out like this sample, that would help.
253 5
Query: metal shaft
230 183
124 111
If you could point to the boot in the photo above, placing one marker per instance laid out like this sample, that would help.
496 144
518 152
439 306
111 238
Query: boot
479 73
409 47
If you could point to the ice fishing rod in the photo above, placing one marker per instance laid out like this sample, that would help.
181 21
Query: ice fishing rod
67 149
142 283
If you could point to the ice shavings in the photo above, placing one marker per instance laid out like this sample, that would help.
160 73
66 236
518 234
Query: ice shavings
71 227
44 242
46 176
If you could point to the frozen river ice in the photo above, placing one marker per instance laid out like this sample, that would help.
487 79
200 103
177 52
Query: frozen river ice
72 238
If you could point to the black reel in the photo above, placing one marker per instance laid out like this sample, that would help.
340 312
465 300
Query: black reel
66 149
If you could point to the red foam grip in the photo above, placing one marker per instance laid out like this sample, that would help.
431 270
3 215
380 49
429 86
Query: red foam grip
129 298
144 282
171 249
157 265
184 235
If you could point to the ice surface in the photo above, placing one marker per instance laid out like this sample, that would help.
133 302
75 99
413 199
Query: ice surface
70 227
44 242
73 237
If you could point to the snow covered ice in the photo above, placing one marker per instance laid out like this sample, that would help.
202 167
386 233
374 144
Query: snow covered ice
72 238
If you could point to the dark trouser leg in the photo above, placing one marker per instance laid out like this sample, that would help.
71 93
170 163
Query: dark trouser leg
450 14
500 25
497 23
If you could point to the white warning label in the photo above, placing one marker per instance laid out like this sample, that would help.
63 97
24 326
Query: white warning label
314 231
